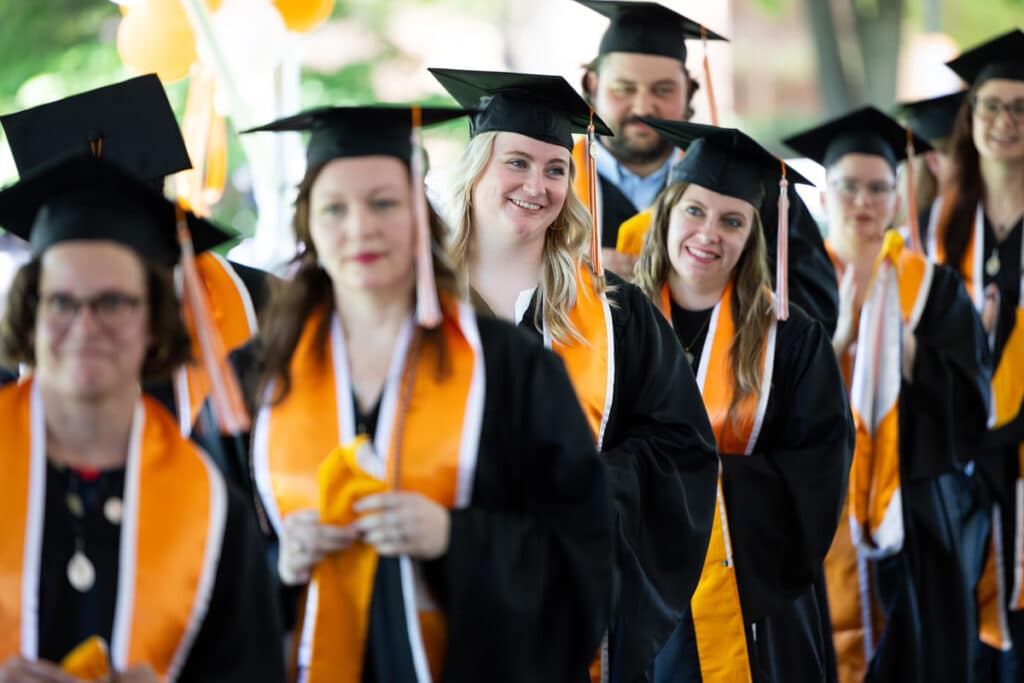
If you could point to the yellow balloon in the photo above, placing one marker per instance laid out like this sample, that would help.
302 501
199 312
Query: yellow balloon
302 15
155 36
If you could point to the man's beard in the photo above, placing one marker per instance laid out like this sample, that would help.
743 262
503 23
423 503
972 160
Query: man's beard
627 153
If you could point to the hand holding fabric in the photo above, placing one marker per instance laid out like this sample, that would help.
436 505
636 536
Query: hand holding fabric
305 542
404 524
849 312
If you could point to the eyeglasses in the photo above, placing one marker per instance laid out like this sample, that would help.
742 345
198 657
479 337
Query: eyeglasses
109 309
989 108
849 189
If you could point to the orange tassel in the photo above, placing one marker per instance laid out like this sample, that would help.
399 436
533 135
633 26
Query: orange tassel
712 106
428 308
915 234
591 170
782 251
225 393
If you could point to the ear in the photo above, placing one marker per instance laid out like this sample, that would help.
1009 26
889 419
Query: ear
590 84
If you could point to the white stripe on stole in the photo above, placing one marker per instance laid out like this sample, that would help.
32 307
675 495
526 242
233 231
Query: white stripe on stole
997 540
33 527
932 238
609 390
124 605
182 399
979 258
211 560
1018 545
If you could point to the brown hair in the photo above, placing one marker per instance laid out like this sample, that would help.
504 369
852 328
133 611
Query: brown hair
964 187
171 344
751 304
293 301
594 66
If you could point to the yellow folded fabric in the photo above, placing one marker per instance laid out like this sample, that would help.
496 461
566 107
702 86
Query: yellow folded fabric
342 482
89 661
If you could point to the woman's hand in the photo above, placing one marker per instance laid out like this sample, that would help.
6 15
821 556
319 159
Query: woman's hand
136 674
404 524
849 312
20 670
304 542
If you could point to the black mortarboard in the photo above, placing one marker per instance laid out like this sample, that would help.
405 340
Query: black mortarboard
85 198
545 108
647 28
723 160
933 118
865 131
129 123
339 132
1001 57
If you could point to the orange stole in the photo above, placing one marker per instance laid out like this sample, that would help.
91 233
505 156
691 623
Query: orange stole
715 605
591 364
175 555
296 435
234 315
633 232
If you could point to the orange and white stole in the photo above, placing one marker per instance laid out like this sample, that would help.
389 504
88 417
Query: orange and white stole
234 314
715 606
167 560
1007 394
440 439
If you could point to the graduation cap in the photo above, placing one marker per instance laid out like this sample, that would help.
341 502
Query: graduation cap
82 197
341 132
1000 57
545 108
730 162
724 160
647 28
933 118
865 131
130 123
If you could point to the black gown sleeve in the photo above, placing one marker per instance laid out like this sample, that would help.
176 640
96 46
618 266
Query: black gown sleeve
663 471
240 638
257 282
784 500
526 582
951 384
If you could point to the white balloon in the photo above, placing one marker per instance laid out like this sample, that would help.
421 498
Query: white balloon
250 35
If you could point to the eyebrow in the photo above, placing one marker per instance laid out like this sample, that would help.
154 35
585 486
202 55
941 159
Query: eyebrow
553 160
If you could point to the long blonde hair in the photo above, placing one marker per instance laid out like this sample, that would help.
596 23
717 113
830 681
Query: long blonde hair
565 241
751 302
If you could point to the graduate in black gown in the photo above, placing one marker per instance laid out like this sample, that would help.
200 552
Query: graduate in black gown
96 542
902 574
431 482
774 393
520 236
131 124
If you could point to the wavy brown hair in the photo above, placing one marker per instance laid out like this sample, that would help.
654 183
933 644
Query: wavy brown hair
292 302
171 344
751 302
964 188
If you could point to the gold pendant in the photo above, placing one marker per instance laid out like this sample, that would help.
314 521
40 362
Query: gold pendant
689 356
81 573
992 264
75 506
113 509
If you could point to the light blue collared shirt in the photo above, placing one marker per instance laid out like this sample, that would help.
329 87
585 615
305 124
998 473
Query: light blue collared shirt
641 191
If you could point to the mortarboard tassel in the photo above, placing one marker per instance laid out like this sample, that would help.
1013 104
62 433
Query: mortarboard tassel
782 250
712 106
591 170
428 308
225 393
915 235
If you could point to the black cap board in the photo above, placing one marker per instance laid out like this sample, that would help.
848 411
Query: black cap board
542 107
864 131
647 28
1000 57
357 131
130 123
85 198
933 118
723 160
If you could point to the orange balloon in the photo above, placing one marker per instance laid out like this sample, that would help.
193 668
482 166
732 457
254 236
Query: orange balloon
155 36
302 15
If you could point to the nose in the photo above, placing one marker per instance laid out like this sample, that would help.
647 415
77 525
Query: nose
85 321
643 103
533 183
706 230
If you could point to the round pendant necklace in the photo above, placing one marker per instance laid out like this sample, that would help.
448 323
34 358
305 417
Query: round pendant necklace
992 264
688 348
81 571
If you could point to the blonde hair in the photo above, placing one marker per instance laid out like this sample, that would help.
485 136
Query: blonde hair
751 302
565 241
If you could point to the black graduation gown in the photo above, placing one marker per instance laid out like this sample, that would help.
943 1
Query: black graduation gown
616 208
927 590
525 584
240 638
663 470
784 501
